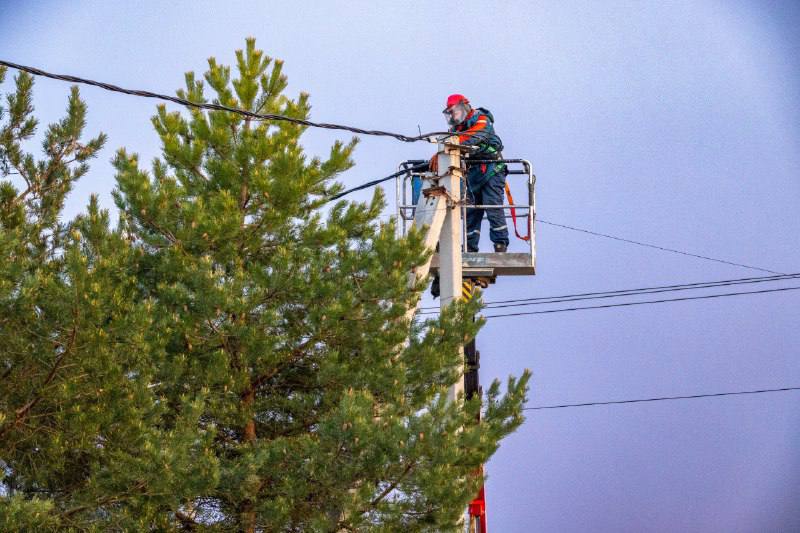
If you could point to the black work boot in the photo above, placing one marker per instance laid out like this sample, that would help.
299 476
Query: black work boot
500 248
435 287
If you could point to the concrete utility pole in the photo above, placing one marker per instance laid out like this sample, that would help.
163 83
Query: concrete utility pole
449 160
439 209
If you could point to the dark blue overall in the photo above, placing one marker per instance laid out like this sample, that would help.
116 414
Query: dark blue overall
485 182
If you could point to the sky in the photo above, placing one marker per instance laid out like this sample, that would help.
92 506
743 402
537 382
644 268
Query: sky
673 122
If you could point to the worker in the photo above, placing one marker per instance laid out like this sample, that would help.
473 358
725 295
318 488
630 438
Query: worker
485 182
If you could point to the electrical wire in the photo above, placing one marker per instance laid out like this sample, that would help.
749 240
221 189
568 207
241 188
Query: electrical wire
655 246
522 302
660 399
219 107
680 286
426 137
377 181
626 304
303 122
525 304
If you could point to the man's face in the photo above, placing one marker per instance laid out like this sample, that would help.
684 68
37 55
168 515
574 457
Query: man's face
455 114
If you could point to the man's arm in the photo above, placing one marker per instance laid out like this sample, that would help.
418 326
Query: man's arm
478 133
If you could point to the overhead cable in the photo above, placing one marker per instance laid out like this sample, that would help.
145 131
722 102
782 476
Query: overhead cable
660 399
626 304
303 122
219 107
377 181
655 246
523 302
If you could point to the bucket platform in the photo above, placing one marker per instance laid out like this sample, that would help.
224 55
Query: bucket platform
520 259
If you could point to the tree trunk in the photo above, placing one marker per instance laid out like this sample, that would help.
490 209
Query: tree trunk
247 512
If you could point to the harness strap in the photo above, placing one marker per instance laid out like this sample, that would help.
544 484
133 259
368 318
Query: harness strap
514 216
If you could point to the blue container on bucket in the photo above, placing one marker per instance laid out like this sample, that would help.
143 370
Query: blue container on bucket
416 189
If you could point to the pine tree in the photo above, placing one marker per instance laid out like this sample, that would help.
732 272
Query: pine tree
81 429
244 362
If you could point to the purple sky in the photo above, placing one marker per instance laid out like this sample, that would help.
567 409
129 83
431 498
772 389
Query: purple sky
676 123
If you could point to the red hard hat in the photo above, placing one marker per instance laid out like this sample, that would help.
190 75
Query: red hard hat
454 99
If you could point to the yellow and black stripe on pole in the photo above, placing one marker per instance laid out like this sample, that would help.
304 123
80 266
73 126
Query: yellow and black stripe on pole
468 286
467 289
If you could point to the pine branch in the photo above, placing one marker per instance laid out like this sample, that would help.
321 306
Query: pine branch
409 467
104 501
23 411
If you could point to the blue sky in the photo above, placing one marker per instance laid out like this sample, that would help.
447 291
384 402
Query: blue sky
674 122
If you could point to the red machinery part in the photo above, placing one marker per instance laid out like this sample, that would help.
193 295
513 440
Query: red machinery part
477 509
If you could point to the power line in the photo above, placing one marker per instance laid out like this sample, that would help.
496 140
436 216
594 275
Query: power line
655 246
377 181
524 303
660 399
520 302
625 304
219 107
638 291
700 284
303 122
